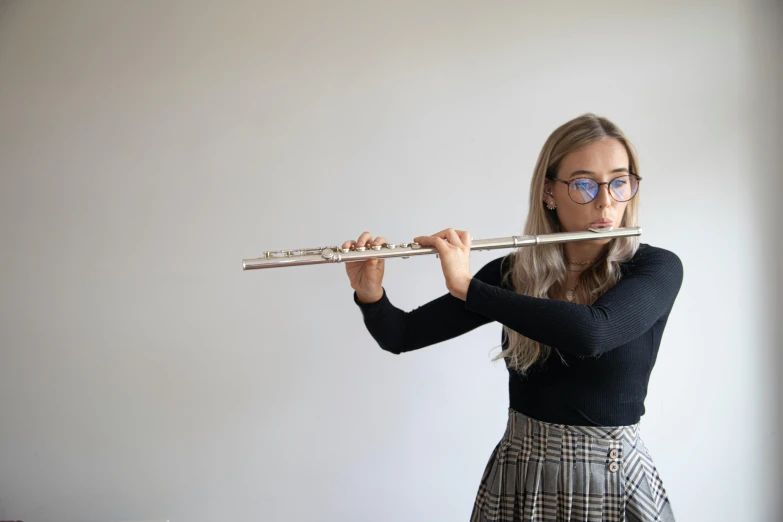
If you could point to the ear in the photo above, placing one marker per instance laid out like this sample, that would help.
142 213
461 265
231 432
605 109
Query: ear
547 189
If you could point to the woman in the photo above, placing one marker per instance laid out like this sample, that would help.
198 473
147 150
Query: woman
582 323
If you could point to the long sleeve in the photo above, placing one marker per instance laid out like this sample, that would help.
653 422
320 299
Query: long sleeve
441 319
629 309
624 326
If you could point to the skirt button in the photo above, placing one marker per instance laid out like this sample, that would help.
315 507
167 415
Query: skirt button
613 467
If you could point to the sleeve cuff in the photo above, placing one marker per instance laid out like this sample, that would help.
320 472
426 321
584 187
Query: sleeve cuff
371 309
477 294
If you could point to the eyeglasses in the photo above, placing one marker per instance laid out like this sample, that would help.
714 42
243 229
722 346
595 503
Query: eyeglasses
585 190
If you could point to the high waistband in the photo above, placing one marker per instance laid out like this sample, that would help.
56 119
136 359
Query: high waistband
520 424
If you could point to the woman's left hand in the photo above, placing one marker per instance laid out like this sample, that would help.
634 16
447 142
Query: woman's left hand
454 251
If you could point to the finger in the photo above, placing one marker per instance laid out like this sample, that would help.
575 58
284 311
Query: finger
349 243
443 234
453 237
377 262
363 239
427 240
439 243
449 235
465 237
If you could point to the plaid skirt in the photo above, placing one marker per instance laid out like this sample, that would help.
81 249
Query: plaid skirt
555 472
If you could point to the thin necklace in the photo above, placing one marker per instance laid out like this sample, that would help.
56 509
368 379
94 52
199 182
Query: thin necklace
570 293
579 262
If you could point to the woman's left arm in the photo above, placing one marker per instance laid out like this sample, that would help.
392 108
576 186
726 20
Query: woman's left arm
623 313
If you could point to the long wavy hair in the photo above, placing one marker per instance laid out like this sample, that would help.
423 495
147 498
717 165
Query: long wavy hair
540 271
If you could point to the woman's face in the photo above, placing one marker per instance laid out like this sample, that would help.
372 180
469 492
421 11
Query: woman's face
602 161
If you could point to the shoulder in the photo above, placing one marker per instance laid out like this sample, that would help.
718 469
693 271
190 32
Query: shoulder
649 258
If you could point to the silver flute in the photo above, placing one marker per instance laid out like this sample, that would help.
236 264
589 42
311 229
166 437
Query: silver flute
324 255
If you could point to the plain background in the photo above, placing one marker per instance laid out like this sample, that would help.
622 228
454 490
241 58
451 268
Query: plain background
146 148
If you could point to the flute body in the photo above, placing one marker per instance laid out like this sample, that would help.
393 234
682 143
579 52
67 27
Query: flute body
328 255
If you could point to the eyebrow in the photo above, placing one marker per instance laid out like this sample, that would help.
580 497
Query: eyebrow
578 172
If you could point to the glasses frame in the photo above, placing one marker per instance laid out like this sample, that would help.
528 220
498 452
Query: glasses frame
638 179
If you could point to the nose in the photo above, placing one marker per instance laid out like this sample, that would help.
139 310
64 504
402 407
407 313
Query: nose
603 198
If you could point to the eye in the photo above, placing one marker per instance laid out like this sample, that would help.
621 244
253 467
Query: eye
583 184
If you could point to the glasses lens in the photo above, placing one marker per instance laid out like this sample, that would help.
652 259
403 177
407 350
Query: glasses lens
624 187
583 190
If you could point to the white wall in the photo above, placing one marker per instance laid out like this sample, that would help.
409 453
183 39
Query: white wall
147 147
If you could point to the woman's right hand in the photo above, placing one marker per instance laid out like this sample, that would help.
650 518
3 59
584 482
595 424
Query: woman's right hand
366 276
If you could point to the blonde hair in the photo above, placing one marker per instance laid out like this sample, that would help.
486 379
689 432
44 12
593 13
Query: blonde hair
540 271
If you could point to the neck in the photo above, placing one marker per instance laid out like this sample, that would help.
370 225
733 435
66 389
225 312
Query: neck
583 251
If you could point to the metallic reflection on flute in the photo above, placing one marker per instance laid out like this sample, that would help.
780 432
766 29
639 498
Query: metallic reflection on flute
325 255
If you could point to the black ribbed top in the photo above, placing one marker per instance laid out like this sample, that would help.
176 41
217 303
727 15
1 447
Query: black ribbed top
606 350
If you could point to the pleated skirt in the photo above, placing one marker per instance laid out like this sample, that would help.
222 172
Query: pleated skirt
555 472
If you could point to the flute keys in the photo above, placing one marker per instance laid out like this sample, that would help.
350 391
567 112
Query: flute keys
329 253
